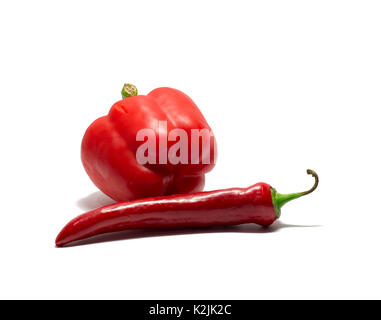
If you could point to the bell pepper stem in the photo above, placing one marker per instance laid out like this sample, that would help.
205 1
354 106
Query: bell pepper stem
129 90
279 200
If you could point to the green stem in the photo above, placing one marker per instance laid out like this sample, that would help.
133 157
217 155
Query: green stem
129 90
279 200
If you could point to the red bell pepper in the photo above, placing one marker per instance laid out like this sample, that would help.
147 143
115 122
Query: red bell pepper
110 144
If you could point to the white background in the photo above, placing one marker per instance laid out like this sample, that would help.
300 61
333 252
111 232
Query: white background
285 85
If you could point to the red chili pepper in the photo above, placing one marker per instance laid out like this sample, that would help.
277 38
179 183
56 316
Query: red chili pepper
258 204
109 146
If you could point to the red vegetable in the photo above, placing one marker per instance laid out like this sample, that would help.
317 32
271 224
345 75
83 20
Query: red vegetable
110 144
258 204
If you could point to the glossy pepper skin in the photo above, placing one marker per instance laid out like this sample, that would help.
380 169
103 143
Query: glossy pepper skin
109 146
258 204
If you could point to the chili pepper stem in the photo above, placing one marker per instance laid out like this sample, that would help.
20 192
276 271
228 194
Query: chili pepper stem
129 90
279 200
